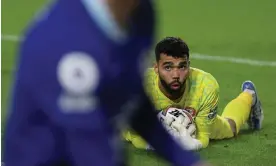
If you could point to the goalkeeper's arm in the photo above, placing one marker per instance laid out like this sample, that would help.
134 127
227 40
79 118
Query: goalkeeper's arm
207 114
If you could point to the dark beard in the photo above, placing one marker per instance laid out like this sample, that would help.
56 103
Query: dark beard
174 93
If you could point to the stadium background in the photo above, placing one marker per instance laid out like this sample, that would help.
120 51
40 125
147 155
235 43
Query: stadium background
234 40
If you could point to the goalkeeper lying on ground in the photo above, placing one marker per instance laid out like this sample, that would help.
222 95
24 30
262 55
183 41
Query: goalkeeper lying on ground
173 82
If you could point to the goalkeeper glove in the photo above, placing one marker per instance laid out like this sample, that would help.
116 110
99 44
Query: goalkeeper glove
185 138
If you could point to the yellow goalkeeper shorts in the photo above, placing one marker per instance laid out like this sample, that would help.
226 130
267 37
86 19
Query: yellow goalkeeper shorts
221 129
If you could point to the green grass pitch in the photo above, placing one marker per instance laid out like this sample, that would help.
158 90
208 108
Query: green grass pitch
236 28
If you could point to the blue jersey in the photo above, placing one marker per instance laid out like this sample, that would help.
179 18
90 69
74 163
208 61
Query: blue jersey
78 82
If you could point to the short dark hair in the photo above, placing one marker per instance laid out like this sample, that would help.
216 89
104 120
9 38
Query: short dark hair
172 46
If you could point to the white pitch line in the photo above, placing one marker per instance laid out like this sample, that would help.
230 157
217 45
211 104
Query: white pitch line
11 38
234 60
198 56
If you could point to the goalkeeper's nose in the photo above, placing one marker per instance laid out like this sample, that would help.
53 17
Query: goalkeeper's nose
175 74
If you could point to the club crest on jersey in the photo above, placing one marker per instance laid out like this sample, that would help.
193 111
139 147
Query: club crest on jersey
78 76
191 110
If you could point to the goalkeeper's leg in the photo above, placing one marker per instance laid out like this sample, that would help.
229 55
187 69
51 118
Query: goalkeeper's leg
233 117
245 108
237 111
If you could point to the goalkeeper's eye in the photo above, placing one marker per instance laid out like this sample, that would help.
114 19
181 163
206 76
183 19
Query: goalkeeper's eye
168 68
182 67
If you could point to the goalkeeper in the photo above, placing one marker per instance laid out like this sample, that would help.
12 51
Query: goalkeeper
173 82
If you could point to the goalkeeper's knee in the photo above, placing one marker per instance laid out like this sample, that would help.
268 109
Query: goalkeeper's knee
232 125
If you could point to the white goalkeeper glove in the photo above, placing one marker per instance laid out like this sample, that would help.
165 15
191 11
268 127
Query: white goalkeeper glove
185 138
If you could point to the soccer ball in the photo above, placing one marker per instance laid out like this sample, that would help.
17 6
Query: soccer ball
172 117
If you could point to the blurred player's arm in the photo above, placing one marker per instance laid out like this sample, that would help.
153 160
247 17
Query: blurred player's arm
207 113
131 136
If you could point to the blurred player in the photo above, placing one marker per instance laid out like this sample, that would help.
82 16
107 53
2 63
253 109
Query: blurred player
78 83
172 82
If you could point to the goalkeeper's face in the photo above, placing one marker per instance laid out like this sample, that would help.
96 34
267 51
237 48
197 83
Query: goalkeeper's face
172 71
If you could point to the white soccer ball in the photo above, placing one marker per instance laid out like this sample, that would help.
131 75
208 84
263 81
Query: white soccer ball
175 119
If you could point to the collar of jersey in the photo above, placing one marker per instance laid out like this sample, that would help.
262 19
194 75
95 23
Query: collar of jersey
99 11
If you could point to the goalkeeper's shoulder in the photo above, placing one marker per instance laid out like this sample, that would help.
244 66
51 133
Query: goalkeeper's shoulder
149 73
211 80
206 79
150 79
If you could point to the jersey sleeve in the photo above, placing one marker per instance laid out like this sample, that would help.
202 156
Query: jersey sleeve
208 110
149 80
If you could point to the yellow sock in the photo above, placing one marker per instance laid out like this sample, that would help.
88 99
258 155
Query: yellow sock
239 109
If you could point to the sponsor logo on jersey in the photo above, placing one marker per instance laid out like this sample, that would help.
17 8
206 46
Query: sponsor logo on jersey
78 76
213 112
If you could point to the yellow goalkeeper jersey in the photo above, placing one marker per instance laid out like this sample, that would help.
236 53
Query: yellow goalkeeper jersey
200 98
